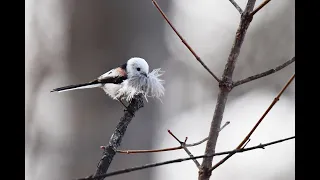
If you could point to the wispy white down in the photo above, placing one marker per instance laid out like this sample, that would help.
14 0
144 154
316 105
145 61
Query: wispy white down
150 86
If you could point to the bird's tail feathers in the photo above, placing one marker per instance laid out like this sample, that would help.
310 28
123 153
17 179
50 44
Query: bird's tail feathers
77 86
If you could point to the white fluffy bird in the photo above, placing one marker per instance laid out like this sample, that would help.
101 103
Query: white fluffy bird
125 81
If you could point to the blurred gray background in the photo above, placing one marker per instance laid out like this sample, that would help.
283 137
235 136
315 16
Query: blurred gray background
74 41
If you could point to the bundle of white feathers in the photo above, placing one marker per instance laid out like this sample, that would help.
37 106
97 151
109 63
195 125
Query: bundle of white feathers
149 86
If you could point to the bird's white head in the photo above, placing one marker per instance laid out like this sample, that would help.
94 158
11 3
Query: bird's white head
137 66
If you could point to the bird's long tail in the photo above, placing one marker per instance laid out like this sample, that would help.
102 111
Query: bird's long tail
77 86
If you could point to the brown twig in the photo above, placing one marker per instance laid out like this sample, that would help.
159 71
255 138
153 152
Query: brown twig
260 146
184 41
236 6
260 7
276 99
166 149
183 145
263 74
225 87
148 151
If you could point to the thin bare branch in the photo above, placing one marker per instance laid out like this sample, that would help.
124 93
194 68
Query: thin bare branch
225 125
183 145
174 136
148 151
246 143
260 146
260 7
236 6
184 41
276 99
225 86
191 155
263 74
205 139
166 149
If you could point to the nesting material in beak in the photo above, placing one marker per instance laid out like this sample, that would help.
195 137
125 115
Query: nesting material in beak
150 85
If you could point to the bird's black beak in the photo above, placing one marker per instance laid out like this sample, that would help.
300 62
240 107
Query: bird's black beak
145 74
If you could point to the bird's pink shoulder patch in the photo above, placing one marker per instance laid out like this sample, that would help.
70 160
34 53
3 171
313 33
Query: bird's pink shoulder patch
121 71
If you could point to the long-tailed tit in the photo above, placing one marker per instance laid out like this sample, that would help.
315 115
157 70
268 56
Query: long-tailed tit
125 81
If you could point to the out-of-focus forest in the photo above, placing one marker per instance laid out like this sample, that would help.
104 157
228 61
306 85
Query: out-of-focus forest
74 41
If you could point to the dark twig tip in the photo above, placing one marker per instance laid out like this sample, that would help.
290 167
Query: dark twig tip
185 140
174 136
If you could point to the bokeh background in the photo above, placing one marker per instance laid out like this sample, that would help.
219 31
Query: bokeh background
75 41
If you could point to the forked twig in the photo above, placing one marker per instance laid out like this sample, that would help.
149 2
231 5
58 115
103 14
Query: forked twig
225 86
166 149
276 99
260 146
183 145
184 41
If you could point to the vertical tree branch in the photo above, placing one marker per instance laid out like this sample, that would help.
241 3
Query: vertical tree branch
225 87
241 145
116 138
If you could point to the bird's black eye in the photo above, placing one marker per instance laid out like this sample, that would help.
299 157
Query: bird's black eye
138 69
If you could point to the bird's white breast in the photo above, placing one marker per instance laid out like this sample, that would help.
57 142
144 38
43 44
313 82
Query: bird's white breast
112 89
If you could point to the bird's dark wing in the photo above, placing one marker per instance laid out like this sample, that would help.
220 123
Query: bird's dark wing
115 76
